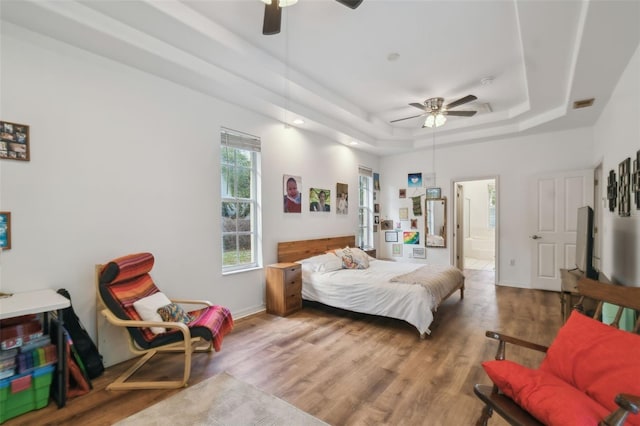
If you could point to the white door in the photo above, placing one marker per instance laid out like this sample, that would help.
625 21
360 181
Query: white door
556 199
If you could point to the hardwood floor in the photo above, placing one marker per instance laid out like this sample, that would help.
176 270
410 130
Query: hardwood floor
351 369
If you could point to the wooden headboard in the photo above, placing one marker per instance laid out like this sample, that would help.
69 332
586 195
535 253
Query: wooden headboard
291 251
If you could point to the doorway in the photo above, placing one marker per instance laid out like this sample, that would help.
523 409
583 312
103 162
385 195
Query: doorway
476 226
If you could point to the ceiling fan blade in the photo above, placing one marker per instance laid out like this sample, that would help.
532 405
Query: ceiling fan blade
350 3
460 113
272 18
420 106
406 118
461 101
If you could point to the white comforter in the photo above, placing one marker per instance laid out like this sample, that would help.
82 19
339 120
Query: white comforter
372 290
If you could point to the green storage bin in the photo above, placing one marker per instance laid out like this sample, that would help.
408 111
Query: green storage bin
627 320
32 398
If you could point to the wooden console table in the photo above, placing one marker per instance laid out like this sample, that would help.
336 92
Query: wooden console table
42 302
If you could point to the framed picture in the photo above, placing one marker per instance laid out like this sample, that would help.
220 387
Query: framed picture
376 219
414 180
414 223
420 252
375 228
391 237
292 185
433 193
411 237
319 200
5 230
404 213
376 208
396 250
635 178
14 141
386 225
402 193
624 192
376 181
342 198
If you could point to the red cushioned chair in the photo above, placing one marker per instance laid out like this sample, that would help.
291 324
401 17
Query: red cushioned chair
125 283
589 374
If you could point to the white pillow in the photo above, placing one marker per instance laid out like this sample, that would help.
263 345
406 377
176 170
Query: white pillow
322 263
353 258
147 308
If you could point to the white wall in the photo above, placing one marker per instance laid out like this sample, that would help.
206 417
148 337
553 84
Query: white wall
514 161
123 162
617 136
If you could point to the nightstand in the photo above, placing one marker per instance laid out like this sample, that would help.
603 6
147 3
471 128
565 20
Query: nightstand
284 288
371 252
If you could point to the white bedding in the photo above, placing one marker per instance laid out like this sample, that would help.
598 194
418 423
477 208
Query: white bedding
371 290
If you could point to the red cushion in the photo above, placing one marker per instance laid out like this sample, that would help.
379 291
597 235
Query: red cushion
544 396
597 359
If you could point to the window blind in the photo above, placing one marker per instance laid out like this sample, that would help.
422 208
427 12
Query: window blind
236 139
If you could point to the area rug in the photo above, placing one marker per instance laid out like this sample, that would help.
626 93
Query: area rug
222 400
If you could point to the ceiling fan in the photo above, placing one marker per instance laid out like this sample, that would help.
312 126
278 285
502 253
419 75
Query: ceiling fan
273 13
436 113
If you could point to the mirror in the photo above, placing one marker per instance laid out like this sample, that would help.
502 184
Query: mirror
435 219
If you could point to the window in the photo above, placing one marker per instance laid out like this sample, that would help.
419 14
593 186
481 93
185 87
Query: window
365 208
492 205
240 189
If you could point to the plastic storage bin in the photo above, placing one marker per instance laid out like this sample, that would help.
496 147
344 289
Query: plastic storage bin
14 402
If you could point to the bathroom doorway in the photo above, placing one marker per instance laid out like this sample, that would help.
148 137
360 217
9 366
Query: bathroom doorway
476 225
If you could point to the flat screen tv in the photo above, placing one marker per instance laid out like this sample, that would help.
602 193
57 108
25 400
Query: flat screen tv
584 242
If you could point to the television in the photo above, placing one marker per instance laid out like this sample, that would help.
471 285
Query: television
584 242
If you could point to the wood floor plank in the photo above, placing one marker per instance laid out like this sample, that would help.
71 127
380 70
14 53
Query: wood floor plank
348 368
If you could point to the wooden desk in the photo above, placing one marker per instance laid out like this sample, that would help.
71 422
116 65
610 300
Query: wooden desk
42 302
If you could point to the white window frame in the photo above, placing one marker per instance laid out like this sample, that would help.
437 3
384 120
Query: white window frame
245 142
365 208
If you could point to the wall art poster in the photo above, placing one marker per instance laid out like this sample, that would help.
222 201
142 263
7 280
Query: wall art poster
342 198
404 213
292 195
612 190
414 223
14 141
420 252
402 193
319 200
391 237
396 249
5 230
411 237
417 205
433 193
376 181
386 225
414 180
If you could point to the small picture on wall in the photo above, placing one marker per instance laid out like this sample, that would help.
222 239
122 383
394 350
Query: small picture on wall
5 230
391 237
414 223
636 179
376 219
420 252
433 193
402 193
375 228
396 249
376 208
386 225
411 237
414 180
342 196
292 195
319 200
14 141
376 181
404 213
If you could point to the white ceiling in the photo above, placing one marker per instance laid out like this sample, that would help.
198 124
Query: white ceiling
329 65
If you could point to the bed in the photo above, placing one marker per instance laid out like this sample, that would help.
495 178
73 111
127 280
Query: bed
407 291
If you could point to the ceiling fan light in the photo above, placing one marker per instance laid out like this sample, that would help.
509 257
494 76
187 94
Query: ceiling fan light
440 119
430 121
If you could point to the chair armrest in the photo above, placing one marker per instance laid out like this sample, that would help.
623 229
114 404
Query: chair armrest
628 404
192 302
139 323
503 339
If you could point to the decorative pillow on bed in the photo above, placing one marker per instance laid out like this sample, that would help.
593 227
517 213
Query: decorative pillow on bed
322 263
353 258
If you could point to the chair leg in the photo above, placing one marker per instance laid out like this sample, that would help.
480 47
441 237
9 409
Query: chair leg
484 417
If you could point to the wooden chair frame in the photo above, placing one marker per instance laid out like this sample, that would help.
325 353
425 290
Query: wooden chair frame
624 297
187 346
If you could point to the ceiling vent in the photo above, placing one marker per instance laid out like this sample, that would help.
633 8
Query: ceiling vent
583 103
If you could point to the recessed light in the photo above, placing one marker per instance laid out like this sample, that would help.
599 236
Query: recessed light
486 81
393 56
298 121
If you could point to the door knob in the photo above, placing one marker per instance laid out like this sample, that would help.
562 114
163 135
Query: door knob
535 237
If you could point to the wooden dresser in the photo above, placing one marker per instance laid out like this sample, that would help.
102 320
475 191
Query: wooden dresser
284 288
